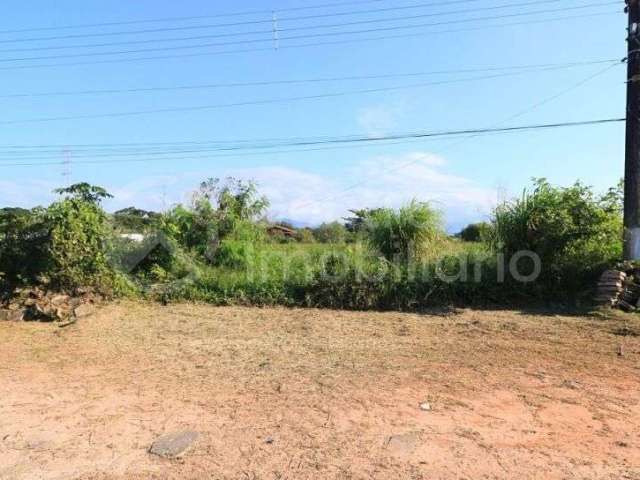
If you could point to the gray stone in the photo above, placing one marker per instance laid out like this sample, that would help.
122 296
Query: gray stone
173 445
59 300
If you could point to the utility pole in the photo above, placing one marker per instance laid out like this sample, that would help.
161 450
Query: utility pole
632 148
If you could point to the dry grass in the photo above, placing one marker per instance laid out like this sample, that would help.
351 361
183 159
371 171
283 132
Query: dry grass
513 395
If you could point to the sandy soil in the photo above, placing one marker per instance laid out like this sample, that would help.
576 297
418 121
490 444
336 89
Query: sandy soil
301 394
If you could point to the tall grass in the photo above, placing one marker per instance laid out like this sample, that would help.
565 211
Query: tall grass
404 233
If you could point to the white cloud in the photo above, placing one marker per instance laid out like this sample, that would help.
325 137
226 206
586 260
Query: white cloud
26 193
378 120
304 196
154 192
382 181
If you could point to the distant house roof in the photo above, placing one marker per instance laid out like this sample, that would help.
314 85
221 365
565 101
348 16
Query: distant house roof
280 230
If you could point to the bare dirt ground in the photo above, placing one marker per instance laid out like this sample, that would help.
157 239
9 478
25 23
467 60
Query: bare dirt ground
301 394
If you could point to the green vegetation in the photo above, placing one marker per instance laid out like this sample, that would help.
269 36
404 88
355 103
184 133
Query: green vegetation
219 248
63 246
404 234
475 232
575 233
333 232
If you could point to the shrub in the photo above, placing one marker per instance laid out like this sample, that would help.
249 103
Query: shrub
305 235
218 211
24 237
401 234
77 239
64 245
574 232
333 232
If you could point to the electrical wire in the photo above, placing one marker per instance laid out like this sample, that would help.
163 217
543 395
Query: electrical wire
200 17
528 68
314 35
309 45
279 30
270 21
419 135
270 101
519 114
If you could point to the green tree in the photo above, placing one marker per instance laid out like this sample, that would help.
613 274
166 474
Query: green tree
220 211
357 223
77 239
134 219
84 192
475 232
333 232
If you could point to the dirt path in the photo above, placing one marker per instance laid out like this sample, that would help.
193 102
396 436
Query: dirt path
298 394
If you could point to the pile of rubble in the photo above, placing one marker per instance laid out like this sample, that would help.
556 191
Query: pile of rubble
620 288
39 305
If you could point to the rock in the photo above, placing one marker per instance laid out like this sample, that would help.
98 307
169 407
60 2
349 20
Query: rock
425 406
268 440
37 304
609 274
63 313
611 287
173 445
626 306
12 315
42 311
83 310
59 300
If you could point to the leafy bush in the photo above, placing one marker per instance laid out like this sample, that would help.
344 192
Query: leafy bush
305 235
64 245
401 234
216 250
78 233
218 211
575 233
24 237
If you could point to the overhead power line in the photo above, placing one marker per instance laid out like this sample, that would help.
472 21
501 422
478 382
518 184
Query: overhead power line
467 138
311 45
201 17
266 21
528 68
252 102
286 29
314 35
155 149
408 136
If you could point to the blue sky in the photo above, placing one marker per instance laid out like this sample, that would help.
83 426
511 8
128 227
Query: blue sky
464 178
